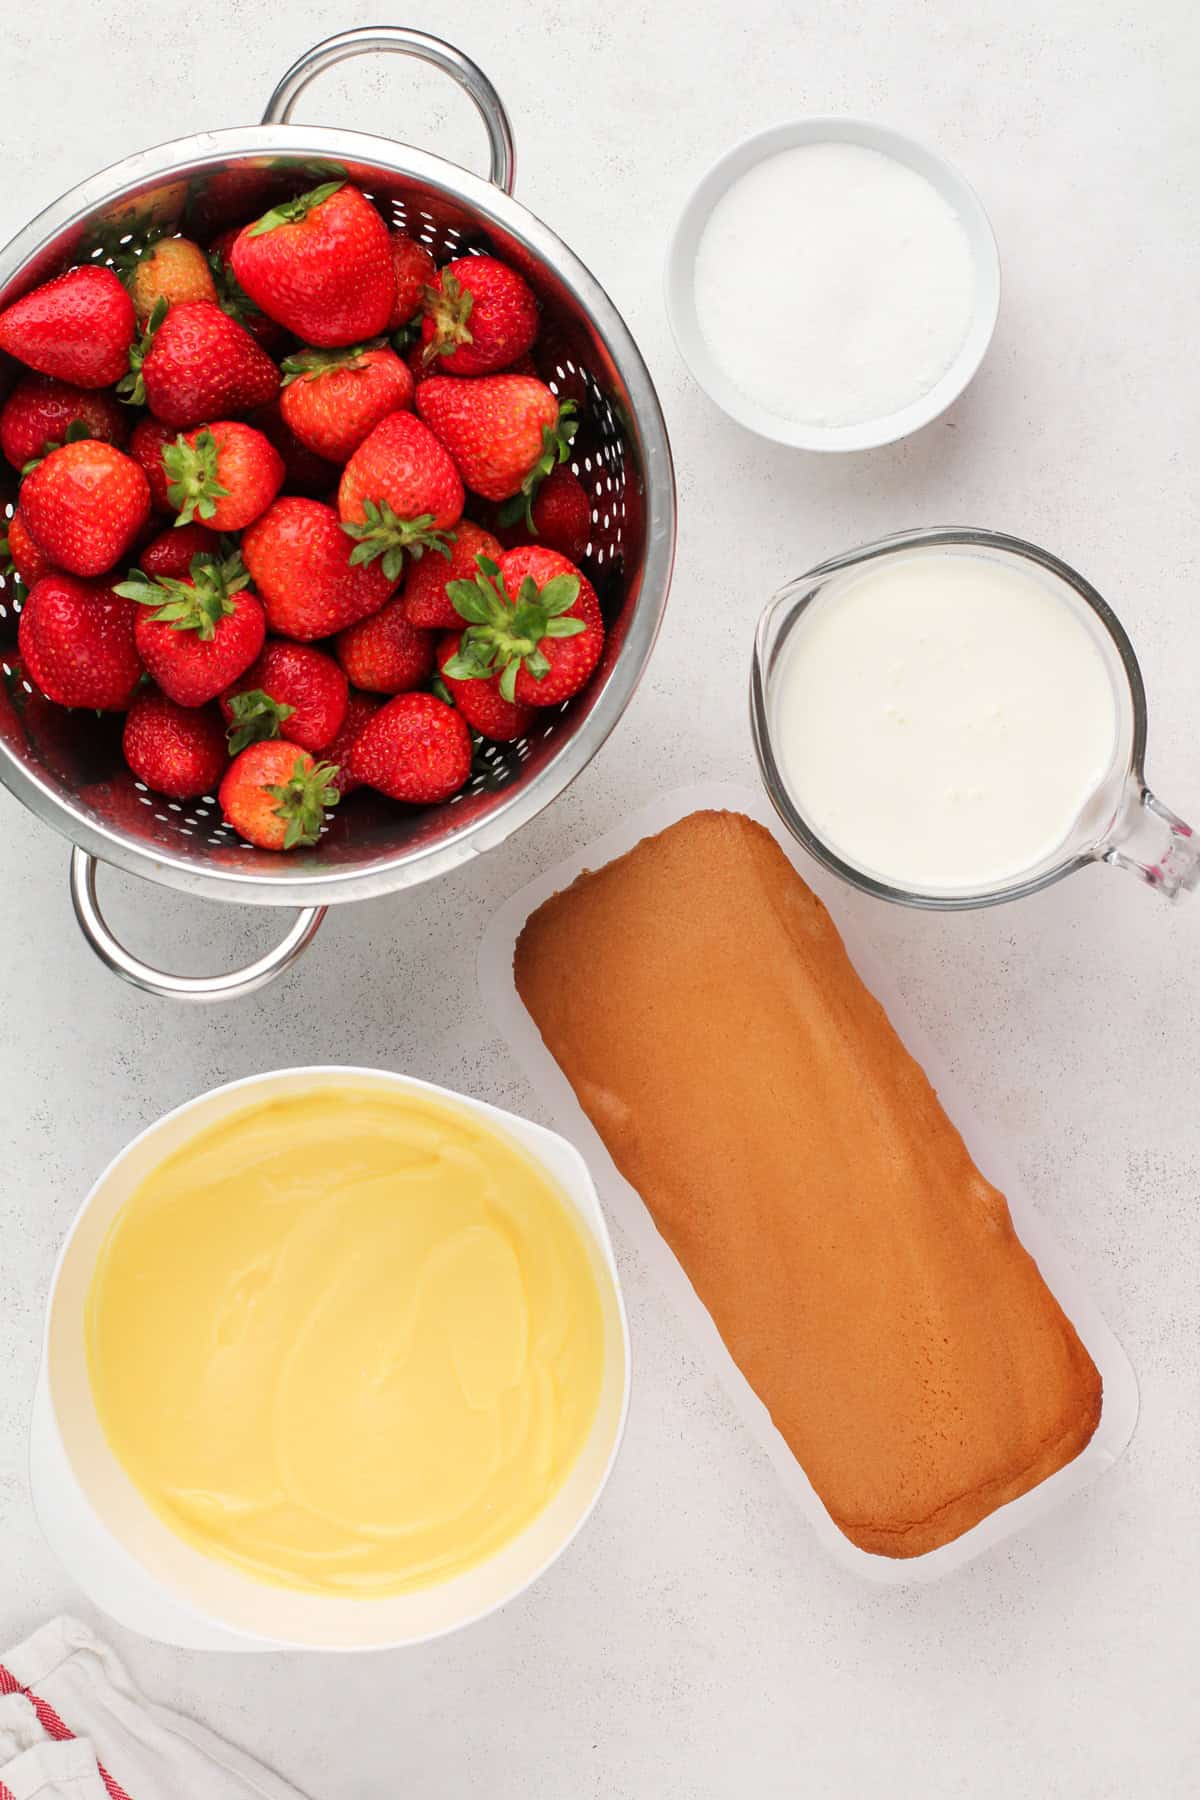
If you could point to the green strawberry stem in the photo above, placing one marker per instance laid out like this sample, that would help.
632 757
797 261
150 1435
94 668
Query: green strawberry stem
556 448
504 636
194 483
292 211
198 603
307 365
232 297
449 307
255 716
131 388
382 534
303 800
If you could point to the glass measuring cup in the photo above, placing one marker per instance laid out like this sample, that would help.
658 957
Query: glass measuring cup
1122 821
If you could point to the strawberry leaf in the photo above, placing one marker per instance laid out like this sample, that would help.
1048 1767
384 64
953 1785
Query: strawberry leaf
132 388
198 603
255 716
292 211
193 476
381 533
449 307
303 800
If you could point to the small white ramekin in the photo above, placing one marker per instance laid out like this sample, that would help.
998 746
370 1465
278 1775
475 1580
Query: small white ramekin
681 285
129 1562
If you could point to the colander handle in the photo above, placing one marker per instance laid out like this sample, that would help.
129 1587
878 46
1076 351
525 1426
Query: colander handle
399 40
179 987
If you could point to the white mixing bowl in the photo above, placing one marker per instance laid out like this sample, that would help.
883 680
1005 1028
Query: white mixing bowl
133 1566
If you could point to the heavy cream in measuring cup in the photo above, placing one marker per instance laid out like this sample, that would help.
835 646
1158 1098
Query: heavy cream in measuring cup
942 720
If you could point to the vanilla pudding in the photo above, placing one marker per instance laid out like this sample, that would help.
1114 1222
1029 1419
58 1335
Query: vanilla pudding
942 720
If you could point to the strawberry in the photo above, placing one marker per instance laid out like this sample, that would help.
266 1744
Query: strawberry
85 505
199 633
194 363
384 653
227 472
171 552
304 472
292 691
359 708
560 517
76 640
176 750
230 195
533 621
414 268
416 748
301 563
399 492
78 327
150 438
28 560
40 411
426 604
332 399
276 795
505 432
480 701
479 316
321 265
171 269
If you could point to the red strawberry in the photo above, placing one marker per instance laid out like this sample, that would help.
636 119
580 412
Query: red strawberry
384 653
300 561
230 195
399 492
40 411
534 622
76 640
195 363
479 316
198 634
416 748
78 327
171 552
172 269
85 505
176 750
505 432
413 268
359 708
480 701
227 473
426 604
332 399
321 265
276 795
292 691
150 438
560 517
304 473
29 561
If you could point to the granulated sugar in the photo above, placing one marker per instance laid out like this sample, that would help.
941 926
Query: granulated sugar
834 284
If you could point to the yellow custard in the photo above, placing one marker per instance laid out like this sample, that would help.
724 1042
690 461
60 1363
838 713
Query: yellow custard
350 1341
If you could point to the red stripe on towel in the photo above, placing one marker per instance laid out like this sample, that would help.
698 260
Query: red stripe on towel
53 1726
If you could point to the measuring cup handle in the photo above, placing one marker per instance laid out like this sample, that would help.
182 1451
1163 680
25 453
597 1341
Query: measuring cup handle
399 40
1153 843
179 987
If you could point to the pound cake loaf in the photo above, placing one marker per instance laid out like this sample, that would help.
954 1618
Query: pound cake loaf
865 1277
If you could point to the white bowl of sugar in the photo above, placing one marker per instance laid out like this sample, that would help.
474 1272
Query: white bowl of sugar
833 284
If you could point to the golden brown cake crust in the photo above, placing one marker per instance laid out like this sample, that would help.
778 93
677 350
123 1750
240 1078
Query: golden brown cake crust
865 1277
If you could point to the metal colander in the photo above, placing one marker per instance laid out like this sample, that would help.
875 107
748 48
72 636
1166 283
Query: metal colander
67 767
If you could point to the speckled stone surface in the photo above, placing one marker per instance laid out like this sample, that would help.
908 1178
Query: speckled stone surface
695 1643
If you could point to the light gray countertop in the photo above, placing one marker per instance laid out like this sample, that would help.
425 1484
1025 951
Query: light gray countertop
696 1643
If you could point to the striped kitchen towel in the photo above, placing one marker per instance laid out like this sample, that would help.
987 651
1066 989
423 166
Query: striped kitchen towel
74 1727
